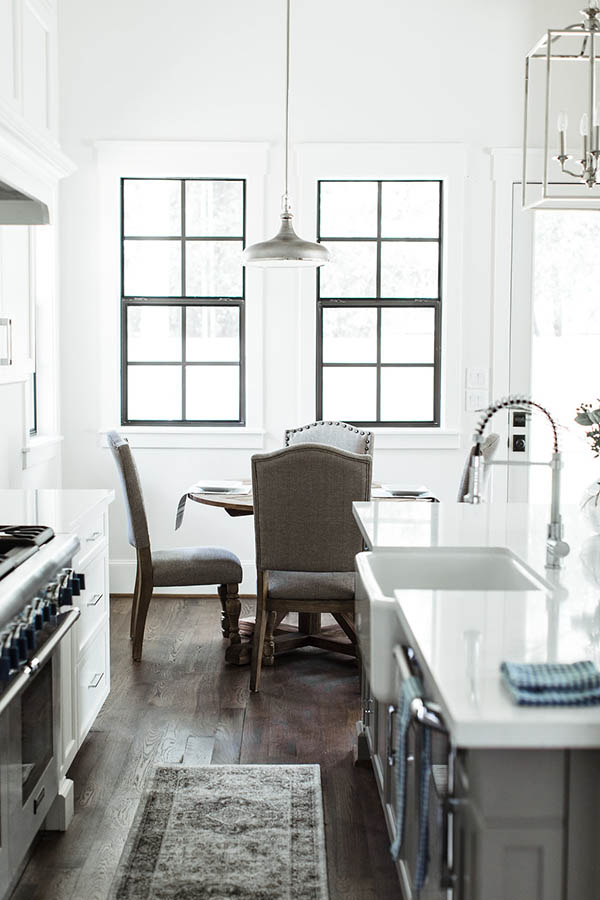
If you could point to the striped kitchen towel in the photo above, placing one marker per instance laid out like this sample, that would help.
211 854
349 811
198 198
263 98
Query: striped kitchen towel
552 684
412 688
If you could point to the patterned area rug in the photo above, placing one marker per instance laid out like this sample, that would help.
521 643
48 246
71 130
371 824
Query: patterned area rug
223 832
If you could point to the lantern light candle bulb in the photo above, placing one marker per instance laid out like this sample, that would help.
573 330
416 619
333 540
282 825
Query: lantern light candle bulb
562 123
584 130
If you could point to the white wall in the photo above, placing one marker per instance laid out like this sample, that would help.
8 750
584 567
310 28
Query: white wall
200 70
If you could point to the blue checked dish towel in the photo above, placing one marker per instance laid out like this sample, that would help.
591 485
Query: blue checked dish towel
411 689
552 684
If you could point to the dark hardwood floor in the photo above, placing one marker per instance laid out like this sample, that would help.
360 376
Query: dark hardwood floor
182 704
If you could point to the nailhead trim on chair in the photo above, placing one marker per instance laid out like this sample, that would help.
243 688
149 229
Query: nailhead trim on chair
366 434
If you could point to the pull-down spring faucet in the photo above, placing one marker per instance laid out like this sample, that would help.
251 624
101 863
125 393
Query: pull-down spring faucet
556 547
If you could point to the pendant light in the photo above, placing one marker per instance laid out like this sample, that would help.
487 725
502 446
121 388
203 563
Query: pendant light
286 248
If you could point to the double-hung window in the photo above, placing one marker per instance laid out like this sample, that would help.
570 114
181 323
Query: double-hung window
182 301
379 302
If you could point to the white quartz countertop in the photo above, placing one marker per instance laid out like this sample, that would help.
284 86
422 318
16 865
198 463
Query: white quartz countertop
61 509
461 637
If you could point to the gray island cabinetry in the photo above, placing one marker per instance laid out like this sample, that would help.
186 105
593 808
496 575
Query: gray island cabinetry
525 823
514 791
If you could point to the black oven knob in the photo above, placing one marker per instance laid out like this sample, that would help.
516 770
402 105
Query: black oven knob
65 596
46 612
81 579
53 608
75 585
13 655
4 667
30 637
38 621
21 644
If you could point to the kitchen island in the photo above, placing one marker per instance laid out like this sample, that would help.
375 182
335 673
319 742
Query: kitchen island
524 804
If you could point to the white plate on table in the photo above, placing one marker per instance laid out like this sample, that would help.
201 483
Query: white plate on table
221 487
402 489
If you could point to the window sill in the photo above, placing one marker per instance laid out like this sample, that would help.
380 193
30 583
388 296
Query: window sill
168 438
416 439
40 449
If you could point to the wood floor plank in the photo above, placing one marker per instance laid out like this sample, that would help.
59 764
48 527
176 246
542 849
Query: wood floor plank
182 704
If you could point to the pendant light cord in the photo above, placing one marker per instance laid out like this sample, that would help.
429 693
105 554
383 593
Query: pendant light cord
287 108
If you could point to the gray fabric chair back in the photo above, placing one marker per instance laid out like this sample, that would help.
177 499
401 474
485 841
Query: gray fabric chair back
334 434
303 497
137 524
488 448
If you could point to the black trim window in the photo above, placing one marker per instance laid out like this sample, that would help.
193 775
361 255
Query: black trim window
379 302
182 301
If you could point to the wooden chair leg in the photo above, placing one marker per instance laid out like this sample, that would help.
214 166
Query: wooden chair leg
134 601
146 586
258 641
269 648
237 652
222 589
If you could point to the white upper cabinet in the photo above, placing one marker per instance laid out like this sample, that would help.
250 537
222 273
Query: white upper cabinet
28 66
9 89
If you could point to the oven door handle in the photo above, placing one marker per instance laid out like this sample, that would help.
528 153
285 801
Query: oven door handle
38 661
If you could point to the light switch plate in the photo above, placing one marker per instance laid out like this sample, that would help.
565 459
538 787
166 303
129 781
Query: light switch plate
477 378
476 400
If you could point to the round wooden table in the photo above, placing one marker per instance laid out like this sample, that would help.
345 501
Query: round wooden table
240 503
234 503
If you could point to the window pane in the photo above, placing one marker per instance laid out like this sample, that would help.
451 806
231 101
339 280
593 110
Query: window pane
152 208
407 395
351 271
350 394
213 333
409 269
349 335
154 392
348 209
410 209
154 333
214 208
213 392
407 335
152 268
214 268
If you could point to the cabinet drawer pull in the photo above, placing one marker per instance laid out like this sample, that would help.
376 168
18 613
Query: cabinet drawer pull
96 680
95 600
93 536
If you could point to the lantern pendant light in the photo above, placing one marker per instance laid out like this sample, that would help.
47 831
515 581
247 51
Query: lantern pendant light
286 248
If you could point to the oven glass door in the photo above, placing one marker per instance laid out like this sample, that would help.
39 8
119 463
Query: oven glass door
37 730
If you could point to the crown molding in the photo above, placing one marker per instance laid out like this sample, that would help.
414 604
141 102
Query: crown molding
26 147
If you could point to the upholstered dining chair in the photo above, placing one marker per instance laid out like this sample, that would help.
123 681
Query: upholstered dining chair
334 434
306 540
172 568
488 448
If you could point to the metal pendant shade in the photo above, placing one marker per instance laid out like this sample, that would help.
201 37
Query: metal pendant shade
286 248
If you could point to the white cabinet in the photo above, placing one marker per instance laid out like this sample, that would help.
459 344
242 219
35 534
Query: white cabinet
28 66
86 676
85 653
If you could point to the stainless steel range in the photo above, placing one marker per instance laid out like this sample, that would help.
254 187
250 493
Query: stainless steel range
36 612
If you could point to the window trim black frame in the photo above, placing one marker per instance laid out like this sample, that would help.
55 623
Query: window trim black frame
182 302
379 303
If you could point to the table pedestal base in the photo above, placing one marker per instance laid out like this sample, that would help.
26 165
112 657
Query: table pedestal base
308 633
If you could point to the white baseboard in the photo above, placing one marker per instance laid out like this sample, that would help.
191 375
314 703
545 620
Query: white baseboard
122 580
